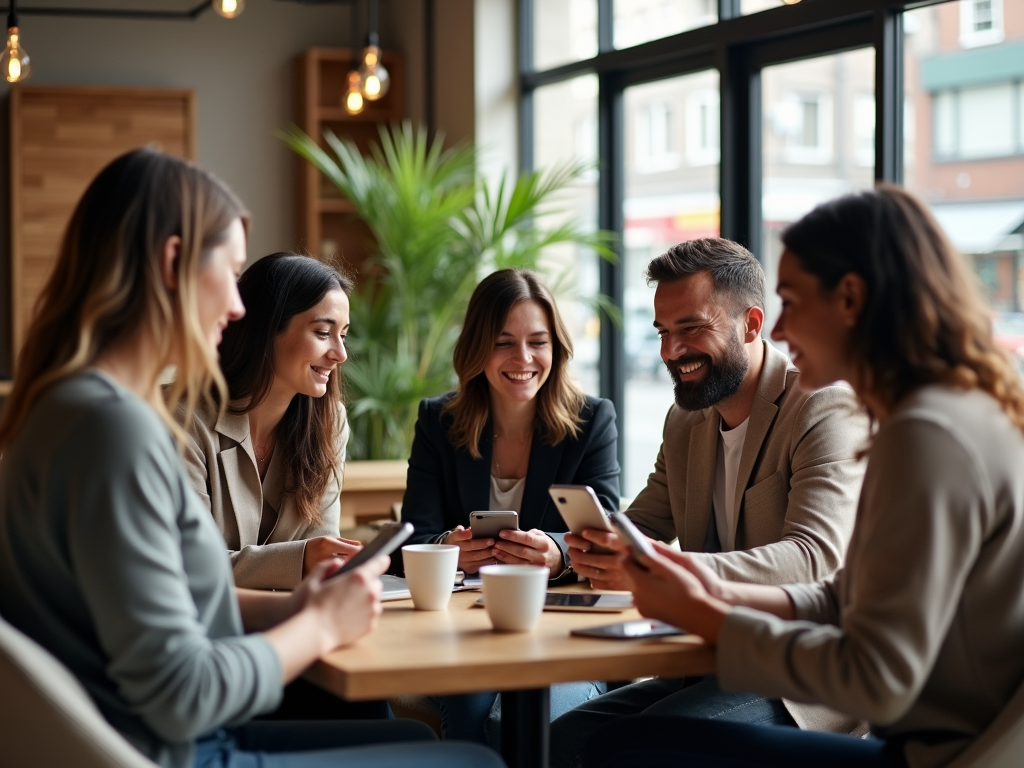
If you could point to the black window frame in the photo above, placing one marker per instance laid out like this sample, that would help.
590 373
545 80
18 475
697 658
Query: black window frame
739 47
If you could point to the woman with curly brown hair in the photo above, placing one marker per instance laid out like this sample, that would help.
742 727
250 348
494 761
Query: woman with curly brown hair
920 632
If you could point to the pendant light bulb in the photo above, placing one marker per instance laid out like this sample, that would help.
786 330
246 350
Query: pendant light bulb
229 9
353 96
790 2
15 63
374 80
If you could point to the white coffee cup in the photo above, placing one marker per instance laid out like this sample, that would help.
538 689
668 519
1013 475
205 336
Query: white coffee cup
430 573
514 595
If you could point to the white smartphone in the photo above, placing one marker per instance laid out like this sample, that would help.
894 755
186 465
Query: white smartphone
580 508
639 545
487 525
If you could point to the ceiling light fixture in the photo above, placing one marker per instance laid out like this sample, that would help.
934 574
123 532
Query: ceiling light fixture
229 9
374 80
14 63
353 96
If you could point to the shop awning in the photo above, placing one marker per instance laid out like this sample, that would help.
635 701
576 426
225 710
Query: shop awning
980 227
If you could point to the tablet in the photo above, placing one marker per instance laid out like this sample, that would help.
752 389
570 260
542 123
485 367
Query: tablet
630 630
576 601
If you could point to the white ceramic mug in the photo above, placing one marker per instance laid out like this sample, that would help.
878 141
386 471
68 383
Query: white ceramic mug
514 595
430 573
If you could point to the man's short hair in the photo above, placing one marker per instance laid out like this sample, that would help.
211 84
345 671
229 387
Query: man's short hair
734 271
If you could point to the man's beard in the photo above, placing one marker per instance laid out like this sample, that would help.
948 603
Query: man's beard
722 380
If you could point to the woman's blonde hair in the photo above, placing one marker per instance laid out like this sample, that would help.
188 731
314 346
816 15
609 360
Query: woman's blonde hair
108 282
559 400
924 320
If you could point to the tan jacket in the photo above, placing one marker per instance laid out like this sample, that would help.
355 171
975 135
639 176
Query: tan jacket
222 467
796 489
921 632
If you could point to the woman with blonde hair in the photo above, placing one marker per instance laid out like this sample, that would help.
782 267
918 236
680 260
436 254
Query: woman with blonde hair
107 557
920 632
516 425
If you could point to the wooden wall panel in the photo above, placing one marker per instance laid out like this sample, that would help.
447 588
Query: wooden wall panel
61 137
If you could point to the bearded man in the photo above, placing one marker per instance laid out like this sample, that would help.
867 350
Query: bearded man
757 476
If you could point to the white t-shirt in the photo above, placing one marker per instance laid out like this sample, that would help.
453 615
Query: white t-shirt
507 494
730 448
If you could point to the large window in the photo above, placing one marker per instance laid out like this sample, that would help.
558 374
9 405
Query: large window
969 166
706 122
666 202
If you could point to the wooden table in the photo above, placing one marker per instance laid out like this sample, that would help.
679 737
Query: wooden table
456 651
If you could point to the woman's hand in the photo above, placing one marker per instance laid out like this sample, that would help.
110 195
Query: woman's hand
327 548
668 590
473 553
327 613
531 547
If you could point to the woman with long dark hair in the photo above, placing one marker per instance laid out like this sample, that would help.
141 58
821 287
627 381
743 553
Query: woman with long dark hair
270 465
107 557
516 425
920 632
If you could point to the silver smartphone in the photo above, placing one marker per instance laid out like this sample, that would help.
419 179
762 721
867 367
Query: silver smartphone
487 525
580 508
639 545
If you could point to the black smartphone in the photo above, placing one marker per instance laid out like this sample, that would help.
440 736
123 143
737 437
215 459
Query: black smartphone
630 630
639 545
390 538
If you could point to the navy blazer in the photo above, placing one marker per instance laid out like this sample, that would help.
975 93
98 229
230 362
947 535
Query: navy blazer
444 484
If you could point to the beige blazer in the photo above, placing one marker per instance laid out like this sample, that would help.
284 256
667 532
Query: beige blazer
796 489
921 632
221 465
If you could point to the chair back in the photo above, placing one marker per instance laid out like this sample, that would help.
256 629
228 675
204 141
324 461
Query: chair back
47 716
1001 745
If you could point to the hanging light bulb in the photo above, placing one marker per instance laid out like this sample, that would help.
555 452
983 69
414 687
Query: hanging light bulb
353 97
374 80
229 8
790 2
14 63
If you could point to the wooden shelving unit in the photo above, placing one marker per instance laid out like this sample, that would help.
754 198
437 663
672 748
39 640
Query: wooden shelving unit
328 225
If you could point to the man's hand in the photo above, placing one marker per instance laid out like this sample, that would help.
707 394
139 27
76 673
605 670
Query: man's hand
603 569
531 547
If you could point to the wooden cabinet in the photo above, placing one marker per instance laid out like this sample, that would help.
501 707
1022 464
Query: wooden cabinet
327 223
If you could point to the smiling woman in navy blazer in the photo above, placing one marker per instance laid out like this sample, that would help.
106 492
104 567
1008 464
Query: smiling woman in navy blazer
516 425
517 416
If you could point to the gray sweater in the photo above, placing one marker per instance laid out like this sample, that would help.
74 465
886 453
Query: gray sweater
110 561
921 632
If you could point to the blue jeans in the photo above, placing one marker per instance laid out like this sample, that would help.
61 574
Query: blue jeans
670 742
344 744
684 697
477 716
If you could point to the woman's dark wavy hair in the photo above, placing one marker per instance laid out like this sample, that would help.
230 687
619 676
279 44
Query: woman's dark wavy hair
274 290
924 320
559 400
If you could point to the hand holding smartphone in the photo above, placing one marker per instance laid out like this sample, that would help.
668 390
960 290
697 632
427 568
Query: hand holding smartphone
581 509
390 538
487 525
639 545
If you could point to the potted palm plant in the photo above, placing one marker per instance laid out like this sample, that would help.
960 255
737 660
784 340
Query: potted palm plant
437 229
